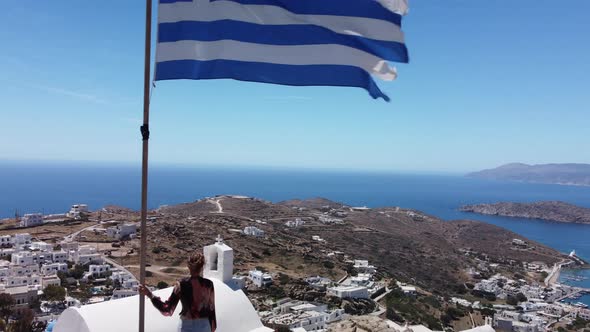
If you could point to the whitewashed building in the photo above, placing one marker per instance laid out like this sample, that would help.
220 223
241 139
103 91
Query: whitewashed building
122 231
50 280
76 210
97 271
518 242
123 293
59 256
6 241
259 278
85 255
4 272
298 222
31 219
584 314
355 292
69 246
21 239
363 266
8 252
21 270
72 302
319 282
53 268
90 258
124 279
317 238
253 231
361 279
18 281
22 295
41 246
295 315
409 290
24 258
307 320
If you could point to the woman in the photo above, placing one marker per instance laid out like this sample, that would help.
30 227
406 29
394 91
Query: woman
196 295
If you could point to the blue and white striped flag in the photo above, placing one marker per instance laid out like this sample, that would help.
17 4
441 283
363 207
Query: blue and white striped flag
289 42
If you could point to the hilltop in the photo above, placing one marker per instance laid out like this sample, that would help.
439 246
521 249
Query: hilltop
565 174
550 210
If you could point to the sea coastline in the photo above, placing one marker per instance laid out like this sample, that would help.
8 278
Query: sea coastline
52 190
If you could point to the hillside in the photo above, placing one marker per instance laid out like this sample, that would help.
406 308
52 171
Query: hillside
553 210
404 244
566 174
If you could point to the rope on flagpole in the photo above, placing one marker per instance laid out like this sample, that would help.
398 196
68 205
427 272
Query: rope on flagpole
145 135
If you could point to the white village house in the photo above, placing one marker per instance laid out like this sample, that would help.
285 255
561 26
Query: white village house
123 293
253 231
22 295
259 278
77 210
21 239
50 280
124 279
302 316
122 231
85 255
363 266
31 219
41 246
355 292
53 268
295 223
97 271
5 241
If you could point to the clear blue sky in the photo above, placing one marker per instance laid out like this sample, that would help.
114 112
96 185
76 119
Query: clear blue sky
489 82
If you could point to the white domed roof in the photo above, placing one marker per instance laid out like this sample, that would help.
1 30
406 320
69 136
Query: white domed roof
234 313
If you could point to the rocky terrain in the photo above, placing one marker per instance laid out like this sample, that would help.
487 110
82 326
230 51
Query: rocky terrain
552 210
361 324
566 174
405 245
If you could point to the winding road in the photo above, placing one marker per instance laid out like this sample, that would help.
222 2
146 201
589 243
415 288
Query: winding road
72 236
216 202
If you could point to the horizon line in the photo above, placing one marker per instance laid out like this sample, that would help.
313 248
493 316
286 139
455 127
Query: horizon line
183 165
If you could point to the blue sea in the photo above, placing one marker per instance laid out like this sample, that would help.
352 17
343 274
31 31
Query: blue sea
52 188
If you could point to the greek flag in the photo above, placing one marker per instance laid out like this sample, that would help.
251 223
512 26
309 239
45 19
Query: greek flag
289 42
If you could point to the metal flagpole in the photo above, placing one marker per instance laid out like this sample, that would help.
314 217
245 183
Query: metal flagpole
145 135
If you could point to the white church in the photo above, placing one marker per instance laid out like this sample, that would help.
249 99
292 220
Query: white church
234 311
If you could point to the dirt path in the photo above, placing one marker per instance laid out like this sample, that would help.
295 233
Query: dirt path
218 203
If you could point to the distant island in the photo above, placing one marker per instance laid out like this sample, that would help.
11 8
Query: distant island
565 174
552 210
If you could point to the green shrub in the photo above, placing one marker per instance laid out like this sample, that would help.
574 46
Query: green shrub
328 264
520 297
512 300
54 293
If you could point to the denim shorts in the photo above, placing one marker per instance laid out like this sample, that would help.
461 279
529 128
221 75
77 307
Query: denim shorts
194 325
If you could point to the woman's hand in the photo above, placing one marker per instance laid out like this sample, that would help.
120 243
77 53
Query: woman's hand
143 290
